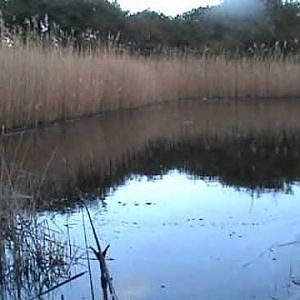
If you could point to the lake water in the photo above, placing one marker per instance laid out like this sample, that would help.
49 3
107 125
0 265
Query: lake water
198 200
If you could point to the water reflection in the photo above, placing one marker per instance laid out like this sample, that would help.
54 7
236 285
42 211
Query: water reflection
243 144
177 237
198 200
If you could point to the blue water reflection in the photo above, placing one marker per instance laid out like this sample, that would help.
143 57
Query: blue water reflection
179 237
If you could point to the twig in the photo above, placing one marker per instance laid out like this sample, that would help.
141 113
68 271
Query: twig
88 258
106 280
58 286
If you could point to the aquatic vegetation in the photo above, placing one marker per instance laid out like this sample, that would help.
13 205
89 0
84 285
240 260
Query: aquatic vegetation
41 85
35 259
32 258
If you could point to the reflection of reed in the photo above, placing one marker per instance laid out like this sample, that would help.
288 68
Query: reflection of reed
95 155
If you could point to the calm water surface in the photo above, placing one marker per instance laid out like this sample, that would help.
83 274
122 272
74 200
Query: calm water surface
197 200
177 237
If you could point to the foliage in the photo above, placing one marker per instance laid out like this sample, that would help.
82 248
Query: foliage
234 25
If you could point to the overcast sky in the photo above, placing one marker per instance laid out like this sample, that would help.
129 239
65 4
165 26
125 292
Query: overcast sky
168 7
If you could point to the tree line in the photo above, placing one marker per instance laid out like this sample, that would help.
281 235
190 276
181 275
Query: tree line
254 26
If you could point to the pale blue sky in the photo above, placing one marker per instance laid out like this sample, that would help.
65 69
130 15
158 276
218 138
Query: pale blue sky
168 7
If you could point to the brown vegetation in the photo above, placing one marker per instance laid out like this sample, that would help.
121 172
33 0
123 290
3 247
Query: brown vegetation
40 86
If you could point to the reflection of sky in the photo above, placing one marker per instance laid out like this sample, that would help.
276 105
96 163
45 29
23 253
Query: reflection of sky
176 197
199 239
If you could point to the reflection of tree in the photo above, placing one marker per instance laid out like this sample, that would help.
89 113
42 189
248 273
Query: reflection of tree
257 163
251 162
32 260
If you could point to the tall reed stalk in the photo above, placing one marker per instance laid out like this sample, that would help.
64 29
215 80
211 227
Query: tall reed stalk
41 85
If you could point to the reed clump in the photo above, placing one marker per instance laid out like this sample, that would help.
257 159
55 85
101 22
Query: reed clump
41 85
33 259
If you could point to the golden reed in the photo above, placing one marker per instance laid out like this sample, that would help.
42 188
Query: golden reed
40 86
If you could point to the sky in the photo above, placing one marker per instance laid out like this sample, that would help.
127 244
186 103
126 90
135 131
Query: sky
168 7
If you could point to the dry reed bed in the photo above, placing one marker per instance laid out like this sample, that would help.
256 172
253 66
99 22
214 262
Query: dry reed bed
47 85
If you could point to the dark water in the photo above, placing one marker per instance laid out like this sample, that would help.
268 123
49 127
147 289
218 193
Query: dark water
197 200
